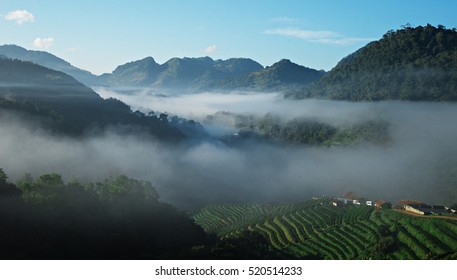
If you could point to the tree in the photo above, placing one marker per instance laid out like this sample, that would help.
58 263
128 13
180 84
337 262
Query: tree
43 189
3 176
25 182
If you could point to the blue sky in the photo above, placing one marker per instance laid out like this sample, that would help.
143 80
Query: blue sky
100 35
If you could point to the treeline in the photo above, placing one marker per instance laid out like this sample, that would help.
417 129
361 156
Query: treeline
118 218
304 131
417 64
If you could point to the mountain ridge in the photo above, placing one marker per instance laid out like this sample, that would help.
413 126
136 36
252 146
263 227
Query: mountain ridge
187 73
193 73
283 74
416 64
47 60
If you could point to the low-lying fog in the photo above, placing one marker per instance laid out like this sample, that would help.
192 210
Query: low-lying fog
420 162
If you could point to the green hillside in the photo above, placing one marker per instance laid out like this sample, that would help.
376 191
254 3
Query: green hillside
418 64
69 107
283 75
135 73
303 131
317 229
117 218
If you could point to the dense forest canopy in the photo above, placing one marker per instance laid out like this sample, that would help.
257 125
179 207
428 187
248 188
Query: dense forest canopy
407 64
118 218
303 131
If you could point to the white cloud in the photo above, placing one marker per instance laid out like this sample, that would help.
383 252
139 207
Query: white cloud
43 43
323 36
210 49
287 20
302 34
20 16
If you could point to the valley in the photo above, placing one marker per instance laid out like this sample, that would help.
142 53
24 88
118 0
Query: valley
202 158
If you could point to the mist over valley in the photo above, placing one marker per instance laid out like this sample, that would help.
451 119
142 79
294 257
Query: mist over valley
226 159
416 162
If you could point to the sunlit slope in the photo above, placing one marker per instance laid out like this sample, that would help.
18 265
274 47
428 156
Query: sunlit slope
317 229
71 107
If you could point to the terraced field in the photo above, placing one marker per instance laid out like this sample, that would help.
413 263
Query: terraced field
317 229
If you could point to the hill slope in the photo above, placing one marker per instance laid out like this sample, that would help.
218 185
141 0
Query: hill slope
408 64
316 229
136 73
68 105
281 75
48 60
117 218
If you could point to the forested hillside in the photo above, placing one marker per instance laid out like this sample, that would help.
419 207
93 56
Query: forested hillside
117 218
281 76
418 64
303 131
67 106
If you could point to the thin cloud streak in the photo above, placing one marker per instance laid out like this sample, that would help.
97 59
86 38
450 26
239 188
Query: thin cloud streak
321 36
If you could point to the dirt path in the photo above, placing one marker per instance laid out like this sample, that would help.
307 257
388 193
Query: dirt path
428 216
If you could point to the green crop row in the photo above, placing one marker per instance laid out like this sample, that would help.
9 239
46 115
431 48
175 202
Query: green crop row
316 228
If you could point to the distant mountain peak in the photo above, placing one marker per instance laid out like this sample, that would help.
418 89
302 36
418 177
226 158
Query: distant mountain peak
14 47
149 59
283 74
180 73
142 63
47 60
284 61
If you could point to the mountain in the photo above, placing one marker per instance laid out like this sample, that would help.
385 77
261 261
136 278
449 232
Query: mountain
178 73
190 74
204 73
48 60
281 75
137 73
417 64
69 107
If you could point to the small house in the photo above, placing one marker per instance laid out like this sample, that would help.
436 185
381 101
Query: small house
337 203
416 209
343 200
424 209
379 203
